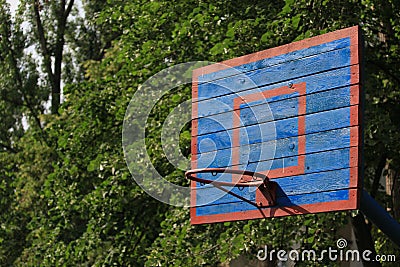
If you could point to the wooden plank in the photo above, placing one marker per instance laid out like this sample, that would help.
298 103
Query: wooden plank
287 108
278 73
350 204
282 201
322 121
314 83
309 43
288 186
280 59
332 160
281 148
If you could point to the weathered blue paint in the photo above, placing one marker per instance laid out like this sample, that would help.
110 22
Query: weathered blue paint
281 148
269 62
315 162
264 132
285 201
277 73
287 108
315 83
289 186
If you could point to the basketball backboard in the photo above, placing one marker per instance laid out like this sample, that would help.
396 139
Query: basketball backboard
291 113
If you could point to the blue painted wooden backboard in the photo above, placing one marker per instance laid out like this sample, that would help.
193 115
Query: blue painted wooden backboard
292 113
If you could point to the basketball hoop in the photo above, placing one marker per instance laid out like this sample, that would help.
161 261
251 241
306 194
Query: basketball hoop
248 179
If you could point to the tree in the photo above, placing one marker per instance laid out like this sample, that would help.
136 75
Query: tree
20 90
26 152
68 198
52 48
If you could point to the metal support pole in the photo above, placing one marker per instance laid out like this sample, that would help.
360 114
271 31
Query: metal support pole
380 217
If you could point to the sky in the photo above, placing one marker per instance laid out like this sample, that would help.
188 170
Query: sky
13 5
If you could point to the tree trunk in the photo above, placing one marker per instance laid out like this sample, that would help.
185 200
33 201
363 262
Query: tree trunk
362 229
362 232
393 190
54 73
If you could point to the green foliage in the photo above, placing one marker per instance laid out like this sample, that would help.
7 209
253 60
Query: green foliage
66 196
